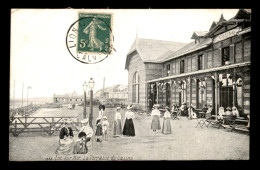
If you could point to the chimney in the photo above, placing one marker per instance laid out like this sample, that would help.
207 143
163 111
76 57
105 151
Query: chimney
104 85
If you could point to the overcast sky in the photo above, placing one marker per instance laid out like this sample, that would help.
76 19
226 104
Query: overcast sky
40 59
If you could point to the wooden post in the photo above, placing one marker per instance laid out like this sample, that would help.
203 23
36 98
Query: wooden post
157 97
15 128
235 88
205 91
190 79
216 94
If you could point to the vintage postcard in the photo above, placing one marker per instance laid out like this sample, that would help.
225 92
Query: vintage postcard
129 84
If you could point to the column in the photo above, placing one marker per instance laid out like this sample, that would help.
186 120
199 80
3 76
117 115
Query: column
234 88
157 93
190 98
216 93
205 91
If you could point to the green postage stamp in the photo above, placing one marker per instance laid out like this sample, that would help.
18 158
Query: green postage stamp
90 38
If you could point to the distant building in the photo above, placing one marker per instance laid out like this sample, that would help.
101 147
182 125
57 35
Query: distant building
113 92
68 98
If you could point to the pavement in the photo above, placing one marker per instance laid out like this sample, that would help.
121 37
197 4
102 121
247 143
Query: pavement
185 143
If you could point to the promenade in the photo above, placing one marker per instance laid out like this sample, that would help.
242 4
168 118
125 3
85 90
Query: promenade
185 143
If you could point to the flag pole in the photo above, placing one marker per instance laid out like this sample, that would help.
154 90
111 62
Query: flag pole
13 94
22 95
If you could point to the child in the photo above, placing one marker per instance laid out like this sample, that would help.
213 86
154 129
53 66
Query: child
99 132
81 144
105 125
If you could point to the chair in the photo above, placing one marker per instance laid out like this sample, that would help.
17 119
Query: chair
228 121
175 114
212 120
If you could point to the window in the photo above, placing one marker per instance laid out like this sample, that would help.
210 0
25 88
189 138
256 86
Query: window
168 69
200 62
225 55
135 92
182 67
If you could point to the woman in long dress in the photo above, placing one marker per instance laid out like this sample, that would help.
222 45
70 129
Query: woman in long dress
129 129
117 127
155 118
66 139
166 129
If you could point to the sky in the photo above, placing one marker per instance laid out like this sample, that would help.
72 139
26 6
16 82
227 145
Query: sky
40 59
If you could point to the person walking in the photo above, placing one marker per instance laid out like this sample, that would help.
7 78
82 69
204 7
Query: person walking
129 129
166 129
155 118
117 127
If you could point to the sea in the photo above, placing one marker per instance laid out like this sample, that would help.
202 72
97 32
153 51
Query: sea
16 103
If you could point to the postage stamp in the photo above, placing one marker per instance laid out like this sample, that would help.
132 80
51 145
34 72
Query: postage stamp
90 39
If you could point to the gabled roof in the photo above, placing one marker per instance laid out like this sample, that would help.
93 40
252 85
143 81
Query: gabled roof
197 34
151 50
214 23
241 16
191 47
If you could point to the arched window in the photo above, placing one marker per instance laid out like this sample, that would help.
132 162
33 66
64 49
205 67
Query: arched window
135 90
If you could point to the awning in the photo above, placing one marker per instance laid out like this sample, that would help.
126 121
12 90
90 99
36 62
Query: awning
201 71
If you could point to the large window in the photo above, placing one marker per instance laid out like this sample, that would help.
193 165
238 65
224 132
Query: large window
200 62
168 69
225 55
182 66
135 96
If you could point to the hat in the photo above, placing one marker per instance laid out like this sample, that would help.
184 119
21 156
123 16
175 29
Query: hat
84 120
99 117
183 103
156 105
129 107
166 107
118 108
104 117
228 108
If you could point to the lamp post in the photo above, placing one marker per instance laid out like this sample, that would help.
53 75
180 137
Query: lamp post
85 85
91 84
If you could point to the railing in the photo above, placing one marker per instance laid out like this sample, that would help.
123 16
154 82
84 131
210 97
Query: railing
39 124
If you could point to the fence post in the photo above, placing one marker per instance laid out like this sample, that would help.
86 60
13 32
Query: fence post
15 127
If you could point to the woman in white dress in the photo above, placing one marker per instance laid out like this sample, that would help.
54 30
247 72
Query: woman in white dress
221 112
155 118
117 123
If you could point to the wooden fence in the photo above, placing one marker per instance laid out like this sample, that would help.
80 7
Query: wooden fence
39 124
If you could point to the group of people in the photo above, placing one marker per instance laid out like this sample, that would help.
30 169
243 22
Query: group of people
166 128
67 145
228 112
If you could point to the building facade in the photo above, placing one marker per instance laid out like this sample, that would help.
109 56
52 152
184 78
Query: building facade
213 69
68 98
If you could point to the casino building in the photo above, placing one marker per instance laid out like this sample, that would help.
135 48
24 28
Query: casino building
213 69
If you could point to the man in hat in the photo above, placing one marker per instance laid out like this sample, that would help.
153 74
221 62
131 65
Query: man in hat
87 129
